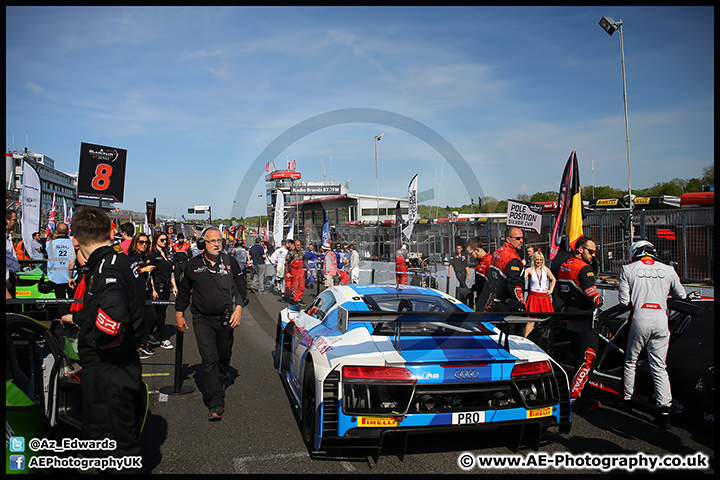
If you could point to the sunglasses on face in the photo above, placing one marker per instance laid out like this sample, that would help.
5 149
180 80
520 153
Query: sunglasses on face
143 242
162 239
592 252
518 238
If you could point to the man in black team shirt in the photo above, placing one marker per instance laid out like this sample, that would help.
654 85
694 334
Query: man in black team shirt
216 308
112 325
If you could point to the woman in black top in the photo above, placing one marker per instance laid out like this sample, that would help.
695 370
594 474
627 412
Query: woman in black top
138 251
163 282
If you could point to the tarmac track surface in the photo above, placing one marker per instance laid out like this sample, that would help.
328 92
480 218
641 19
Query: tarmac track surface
259 433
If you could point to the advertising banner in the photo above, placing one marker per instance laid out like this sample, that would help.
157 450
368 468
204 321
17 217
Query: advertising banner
101 174
30 202
412 207
279 219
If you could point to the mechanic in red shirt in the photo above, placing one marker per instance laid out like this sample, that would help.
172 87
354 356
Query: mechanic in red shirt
295 266
505 281
579 295
400 267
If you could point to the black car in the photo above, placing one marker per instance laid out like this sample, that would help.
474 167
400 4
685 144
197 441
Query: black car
690 359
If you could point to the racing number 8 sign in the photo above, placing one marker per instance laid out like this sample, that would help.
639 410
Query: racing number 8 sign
101 174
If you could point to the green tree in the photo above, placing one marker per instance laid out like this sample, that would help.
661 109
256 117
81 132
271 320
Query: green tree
708 175
604 191
694 185
667 188
501 206
544 197
489 205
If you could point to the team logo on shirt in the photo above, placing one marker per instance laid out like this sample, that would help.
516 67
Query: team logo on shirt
135 269
107 324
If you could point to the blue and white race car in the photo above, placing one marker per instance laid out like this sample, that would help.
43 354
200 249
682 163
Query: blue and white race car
362 361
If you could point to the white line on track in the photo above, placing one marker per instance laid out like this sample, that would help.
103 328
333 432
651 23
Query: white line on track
240 462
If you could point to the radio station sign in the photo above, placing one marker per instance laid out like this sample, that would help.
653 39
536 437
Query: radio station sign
101 174
315 190
524 215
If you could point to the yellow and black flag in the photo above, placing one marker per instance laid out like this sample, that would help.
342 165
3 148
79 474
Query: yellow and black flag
570 208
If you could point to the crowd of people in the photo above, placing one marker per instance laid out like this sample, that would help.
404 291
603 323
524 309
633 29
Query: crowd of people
291 268
118 278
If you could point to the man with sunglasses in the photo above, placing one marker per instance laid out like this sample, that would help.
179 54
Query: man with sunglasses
579 295
210 280
505 281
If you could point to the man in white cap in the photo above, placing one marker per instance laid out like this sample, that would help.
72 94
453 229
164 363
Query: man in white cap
329 265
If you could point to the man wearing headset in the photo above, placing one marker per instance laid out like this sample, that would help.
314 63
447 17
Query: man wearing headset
211 280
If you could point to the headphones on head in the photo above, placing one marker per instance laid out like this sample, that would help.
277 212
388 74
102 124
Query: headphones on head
201 241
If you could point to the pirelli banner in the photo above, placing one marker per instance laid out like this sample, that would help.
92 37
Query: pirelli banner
101 175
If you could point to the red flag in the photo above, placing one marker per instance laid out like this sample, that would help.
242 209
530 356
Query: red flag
570 208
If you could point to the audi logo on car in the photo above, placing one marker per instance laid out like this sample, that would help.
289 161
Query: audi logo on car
466 374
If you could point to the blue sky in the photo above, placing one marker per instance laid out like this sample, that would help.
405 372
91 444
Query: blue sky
195 95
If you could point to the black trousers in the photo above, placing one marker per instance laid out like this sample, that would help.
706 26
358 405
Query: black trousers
63 290
215 343
113 402
584 346
161 312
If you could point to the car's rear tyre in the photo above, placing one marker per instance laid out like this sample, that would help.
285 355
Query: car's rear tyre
308 406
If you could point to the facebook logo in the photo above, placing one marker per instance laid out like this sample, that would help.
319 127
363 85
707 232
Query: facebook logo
17 462
17 444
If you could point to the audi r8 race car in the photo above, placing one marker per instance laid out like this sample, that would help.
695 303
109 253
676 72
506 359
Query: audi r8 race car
690 359
362 361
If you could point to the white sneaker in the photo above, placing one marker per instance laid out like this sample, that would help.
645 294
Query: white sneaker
166 344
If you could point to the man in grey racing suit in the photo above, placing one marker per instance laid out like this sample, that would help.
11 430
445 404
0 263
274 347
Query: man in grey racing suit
644 285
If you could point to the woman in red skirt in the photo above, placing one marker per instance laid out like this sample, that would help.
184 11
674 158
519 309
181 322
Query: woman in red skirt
542 283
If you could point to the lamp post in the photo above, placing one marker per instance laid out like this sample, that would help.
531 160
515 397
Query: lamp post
377 185
260 216
610 25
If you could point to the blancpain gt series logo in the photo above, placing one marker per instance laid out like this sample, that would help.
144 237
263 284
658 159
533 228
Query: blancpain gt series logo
105 155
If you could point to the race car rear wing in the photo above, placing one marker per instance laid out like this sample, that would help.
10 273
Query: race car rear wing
501 319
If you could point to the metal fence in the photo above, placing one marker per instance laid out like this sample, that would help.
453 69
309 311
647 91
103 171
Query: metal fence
684 238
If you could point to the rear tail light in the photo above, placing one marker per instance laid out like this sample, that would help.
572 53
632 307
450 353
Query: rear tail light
531 369
378 374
